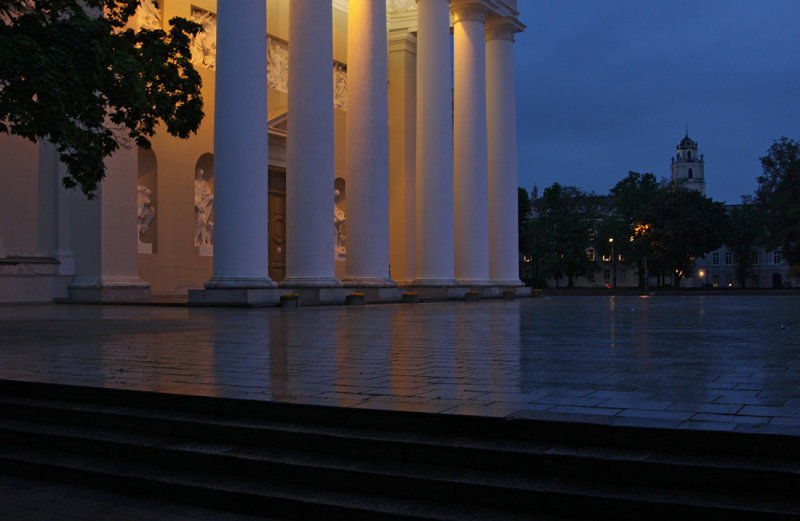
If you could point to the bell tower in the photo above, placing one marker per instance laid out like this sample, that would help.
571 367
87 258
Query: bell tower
687 166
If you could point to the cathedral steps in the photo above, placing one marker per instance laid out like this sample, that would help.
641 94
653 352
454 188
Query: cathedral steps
298 461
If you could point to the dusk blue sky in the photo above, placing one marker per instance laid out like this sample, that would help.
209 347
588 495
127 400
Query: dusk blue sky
604 87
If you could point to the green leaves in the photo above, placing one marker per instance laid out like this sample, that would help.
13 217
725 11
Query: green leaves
778 197
89 85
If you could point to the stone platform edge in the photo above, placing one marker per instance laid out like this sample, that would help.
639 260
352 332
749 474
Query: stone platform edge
292 297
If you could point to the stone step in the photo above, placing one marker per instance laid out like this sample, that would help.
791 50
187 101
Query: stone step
484 468
744 475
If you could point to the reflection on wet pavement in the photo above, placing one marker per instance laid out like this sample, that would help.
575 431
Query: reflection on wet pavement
718 362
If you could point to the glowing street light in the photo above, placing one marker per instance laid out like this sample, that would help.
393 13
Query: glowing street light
613 265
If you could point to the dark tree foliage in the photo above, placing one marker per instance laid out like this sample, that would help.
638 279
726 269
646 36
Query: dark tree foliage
744 235
630 220
89 84
778 197
683 225
524 207
562 230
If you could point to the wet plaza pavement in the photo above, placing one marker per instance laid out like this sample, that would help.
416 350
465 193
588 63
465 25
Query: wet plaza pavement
723 362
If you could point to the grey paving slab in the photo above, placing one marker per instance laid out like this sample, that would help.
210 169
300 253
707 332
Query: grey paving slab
687 361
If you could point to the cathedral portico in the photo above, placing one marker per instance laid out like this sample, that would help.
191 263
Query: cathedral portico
353 143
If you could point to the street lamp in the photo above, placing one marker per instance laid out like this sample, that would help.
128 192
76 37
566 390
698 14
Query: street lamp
613 264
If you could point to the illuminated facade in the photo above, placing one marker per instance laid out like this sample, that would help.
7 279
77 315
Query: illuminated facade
377 150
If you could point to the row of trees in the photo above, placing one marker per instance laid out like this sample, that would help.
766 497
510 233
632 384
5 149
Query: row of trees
659 228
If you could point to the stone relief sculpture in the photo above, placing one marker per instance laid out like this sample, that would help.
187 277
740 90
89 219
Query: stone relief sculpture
338 223
339 86
204 44
203 206
148 16
277 65
144 210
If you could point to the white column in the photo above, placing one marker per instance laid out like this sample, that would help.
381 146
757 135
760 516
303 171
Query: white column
502 127
310 147
367 146
470 164
434 183
241 240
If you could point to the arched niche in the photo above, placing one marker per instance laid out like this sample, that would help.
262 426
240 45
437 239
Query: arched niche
204 205
147 201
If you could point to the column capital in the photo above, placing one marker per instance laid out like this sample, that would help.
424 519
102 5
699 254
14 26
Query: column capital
468 11
502 28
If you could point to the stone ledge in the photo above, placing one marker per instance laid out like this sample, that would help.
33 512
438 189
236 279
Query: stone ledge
236 297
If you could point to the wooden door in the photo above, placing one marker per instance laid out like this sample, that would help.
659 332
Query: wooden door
277 225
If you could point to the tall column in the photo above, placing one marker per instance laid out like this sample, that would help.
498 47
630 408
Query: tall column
402 154
104 233
241 240
434 182
310 147
470 164
502 126
367 146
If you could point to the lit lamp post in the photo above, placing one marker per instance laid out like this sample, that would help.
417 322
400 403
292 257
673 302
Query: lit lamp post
613 265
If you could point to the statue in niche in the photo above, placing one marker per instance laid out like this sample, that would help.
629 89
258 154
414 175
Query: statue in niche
203 206
277 65
144 210
339 86
338 223
204 44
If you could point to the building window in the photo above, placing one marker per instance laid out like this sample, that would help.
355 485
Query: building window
754 281
728 258
754 258
715 258
590 254
606 274
606 258
689 157
691 174
776 257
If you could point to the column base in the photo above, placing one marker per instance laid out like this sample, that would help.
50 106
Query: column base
240 283
434 283
368 282
475 282
235 297
310 282
107 290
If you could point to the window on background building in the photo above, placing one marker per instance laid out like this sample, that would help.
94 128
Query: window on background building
590 253
606 258
716 281
754 281
715 258
776 257
728 258
606 274
755 257
691 174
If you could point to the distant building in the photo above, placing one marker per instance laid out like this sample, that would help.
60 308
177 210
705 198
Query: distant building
715 270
